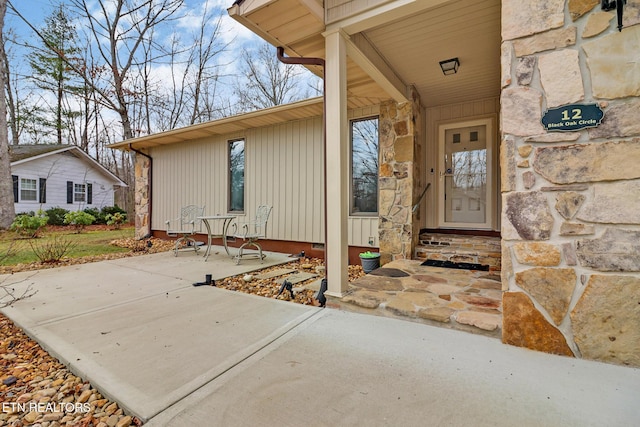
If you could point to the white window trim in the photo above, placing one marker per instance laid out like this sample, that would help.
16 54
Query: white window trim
244 201
84 193
20 178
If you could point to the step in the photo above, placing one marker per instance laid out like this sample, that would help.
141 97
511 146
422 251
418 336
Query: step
460 249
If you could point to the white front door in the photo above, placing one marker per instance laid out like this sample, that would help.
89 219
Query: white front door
465 195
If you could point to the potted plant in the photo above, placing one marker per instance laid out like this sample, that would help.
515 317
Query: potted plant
370 261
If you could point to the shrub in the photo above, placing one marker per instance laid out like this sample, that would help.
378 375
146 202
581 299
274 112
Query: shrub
95 213
79 220
56 215
53 250
29 225
111 210
116 219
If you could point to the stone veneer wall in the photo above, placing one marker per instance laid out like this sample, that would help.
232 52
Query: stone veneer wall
142 220
571 200
399 182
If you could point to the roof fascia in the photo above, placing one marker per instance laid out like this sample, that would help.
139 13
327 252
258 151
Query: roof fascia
79 153
124 145
41 155
235 13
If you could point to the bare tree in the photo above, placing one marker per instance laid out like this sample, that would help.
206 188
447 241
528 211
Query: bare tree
266 82
7 208
119 28
192 95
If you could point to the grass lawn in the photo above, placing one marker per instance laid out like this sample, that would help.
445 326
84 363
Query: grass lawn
18 250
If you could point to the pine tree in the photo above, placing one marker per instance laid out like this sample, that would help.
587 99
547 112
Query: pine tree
51 70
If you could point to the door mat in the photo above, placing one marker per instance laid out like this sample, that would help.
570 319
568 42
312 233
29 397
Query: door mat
457 265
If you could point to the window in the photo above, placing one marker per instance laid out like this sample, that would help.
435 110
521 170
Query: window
364 166
79 192
28 190
236 176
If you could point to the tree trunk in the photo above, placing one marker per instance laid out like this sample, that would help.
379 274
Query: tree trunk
7 208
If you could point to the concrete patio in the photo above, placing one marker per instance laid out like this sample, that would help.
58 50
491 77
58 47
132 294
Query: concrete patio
177 355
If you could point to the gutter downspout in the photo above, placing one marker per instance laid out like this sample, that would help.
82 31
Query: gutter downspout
320 62
150 233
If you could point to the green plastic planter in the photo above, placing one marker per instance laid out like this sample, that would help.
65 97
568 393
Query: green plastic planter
370 261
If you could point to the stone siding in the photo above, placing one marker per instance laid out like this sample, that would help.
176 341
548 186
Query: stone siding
571 200
142 196
399 180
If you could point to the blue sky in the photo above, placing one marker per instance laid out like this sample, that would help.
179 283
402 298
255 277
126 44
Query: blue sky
36 11
163 73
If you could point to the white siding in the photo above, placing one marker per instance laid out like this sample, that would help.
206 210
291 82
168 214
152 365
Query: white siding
283 168
58 169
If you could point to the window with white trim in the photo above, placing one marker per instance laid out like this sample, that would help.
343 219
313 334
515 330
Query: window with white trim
236 175
79 192
364 166
28 190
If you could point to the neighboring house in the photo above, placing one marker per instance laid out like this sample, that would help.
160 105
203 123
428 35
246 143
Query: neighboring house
47 176
458 91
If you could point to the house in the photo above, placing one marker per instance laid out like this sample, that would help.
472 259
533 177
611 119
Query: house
48 176
514 117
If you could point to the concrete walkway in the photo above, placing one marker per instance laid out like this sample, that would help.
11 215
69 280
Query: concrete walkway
177 355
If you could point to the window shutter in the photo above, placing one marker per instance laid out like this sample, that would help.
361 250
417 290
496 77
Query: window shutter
43 190
89 194
15 188
69 192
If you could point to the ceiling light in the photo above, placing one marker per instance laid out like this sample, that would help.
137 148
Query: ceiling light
450 66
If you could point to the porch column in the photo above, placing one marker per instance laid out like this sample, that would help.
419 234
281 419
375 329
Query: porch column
399 181
336 174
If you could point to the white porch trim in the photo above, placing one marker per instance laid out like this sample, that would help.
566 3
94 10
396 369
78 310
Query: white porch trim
337 169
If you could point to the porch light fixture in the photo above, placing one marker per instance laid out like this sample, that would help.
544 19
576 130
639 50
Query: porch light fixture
450 66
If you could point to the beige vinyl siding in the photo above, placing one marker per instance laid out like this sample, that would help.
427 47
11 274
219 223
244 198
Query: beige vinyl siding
340 9
284 168
436 116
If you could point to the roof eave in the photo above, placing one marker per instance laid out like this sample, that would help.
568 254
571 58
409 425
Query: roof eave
209 128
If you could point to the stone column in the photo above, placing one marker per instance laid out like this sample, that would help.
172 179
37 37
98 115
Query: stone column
571 200
142 196
399 182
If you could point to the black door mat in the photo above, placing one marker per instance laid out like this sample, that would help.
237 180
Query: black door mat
457 265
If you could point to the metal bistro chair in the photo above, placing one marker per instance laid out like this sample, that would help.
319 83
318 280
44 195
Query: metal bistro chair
251 232
185 226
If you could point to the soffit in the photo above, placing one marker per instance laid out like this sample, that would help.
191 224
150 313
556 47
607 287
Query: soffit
466 29
412 46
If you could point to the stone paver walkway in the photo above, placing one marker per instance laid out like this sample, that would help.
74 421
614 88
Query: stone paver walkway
459 299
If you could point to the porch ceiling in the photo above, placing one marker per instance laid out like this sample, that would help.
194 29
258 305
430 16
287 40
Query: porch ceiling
412 46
